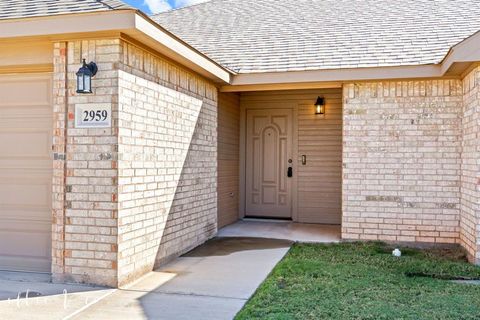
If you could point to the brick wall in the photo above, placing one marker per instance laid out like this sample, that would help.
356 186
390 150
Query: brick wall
85 185
133 196
470 179
137 194
402 161
167 161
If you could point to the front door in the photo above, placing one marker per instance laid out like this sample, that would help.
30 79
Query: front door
269 165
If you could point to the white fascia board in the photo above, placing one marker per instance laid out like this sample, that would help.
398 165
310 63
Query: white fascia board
466 51
67 24
338 75
184 54
125 21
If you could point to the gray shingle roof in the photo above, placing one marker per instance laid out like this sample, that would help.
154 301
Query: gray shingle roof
10 9
250 36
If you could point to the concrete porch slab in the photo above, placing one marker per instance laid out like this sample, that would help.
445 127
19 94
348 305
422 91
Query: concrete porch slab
286 230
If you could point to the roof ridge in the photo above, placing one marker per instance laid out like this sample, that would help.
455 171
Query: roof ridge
105 4
113 4
186 7
10 9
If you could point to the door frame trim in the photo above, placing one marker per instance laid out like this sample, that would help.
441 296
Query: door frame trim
243 160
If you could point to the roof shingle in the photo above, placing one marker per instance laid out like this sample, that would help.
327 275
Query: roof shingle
10 9
249 36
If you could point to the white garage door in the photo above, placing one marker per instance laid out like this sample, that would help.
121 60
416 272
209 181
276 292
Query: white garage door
25 172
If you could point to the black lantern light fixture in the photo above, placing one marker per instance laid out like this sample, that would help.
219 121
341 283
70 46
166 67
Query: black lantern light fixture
320 106
84 77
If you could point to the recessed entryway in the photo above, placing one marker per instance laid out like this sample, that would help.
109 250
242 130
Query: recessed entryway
25 172
291 156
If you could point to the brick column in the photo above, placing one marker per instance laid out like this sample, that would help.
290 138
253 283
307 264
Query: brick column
470 188
59 150
85 185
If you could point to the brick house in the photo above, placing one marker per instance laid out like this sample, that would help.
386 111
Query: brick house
214 115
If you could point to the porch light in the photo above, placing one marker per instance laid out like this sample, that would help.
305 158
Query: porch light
84 77
320 106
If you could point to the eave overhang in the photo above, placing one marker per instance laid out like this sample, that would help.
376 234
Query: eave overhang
139 27
132 23
456 63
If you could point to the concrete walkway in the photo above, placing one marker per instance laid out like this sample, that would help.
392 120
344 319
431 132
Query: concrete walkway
212 282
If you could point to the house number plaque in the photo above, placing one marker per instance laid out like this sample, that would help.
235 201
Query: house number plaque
93 116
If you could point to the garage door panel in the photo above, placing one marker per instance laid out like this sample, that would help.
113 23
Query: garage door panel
25 215
25 144
32 240
34 118
29 245
35 111
23 165
25 172
26 90
21 195
25 263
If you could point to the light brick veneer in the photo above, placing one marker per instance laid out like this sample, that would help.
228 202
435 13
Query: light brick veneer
114 220
85 185
167 162
470 180
402 161
167 174
135 195
60 94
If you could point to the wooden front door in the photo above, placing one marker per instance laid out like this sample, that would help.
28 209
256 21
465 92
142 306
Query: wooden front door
269 155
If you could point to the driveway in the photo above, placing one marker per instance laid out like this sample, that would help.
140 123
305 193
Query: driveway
32 296
212 282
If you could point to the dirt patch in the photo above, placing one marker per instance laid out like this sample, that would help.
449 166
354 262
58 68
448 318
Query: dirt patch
439 276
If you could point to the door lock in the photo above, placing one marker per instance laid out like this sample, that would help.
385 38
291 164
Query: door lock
290 172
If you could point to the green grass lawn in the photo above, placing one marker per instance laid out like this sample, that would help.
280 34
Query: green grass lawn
364 281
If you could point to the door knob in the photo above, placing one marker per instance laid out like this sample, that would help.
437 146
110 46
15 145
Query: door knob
290 172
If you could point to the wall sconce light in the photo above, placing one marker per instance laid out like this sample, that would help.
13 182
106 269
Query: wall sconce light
84 77
320 106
